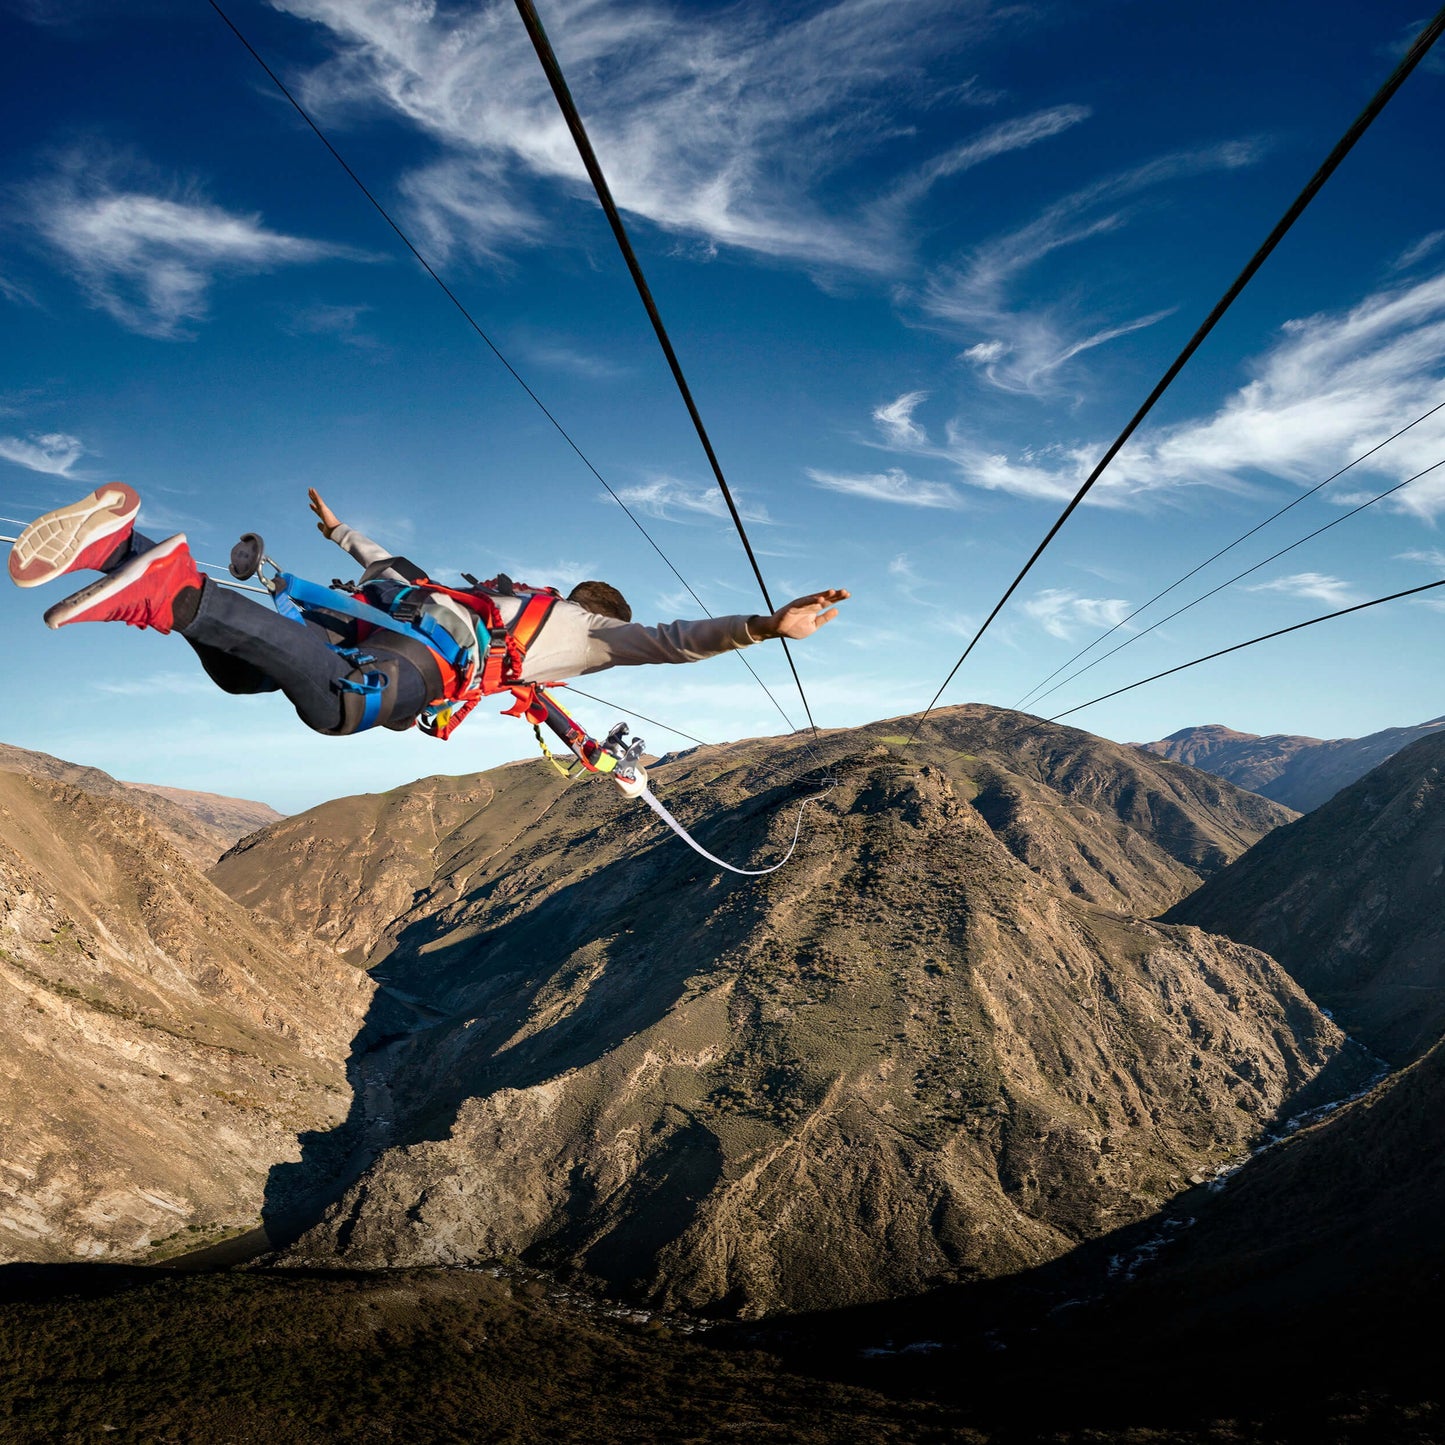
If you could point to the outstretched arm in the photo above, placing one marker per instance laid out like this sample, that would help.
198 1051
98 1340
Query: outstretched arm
603 642
355 544
801 618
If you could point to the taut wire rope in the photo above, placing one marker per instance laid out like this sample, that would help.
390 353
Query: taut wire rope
1243 537
558 82
1416 53
476 326
1239 646
1238 576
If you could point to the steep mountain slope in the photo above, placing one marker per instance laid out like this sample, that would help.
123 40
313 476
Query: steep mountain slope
162 1048
1299 772
933 1047
201 825
1345 1213
1349 900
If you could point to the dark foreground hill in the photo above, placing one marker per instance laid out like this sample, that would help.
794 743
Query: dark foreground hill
1300 772
160 1048
1349 899
939 1045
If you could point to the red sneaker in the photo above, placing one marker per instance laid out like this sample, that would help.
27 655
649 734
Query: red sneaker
85 534
143 593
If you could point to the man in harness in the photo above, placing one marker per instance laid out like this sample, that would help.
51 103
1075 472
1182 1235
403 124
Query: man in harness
395 650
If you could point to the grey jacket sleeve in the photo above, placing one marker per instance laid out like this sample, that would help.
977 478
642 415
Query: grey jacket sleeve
628 644
363 549
574 642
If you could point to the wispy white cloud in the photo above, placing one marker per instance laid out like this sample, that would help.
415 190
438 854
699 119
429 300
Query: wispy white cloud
157 684
342 322
895 420
1010 135
1021 345
1315 586
672 500
14 292
558 355
1428 556
1062 613
1331 387
151 259
1412 255
563 573
894 485
55 453
732 125
918 591
468 202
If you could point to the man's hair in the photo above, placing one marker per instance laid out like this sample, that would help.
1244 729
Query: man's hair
601 598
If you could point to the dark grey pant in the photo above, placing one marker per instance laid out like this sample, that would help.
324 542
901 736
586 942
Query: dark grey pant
247 647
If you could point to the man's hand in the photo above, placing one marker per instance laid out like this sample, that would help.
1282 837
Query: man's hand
329 520
801 618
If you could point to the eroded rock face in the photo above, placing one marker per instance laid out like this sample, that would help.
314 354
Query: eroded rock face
934 1047
162 1048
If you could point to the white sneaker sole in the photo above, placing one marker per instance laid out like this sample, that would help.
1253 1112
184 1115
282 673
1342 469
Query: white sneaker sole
49 546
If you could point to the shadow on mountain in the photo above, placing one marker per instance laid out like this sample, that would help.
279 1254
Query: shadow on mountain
1079 1344
464 1012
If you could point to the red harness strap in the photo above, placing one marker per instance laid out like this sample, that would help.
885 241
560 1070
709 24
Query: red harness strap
499 667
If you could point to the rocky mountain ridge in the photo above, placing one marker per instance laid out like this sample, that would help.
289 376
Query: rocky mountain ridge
202 825
1300 772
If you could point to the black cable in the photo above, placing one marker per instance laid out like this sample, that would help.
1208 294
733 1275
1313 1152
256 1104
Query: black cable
677 732
558 82
1273 557
491 345
1427 37
1244 537
1223 651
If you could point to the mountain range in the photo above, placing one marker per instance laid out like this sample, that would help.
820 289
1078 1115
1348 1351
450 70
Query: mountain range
201 825
163 1046
1041 1045
1348 898
1300 772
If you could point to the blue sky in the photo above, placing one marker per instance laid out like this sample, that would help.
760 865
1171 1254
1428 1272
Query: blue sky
920 261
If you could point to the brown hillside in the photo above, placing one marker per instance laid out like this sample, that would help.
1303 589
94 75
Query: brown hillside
162 1048
934 1047
1349 900
201 825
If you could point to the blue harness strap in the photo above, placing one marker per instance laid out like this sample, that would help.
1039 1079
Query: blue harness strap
301 601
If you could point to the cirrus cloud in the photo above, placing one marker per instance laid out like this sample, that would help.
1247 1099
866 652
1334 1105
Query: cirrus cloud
54 453
150 259
894 485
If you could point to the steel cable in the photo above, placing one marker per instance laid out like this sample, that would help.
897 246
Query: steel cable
1239 646
558 82
1243 537
1238 576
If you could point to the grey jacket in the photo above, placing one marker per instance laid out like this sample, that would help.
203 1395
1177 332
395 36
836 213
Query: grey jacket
574 642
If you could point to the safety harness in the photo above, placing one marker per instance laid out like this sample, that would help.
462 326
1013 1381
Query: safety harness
460 662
